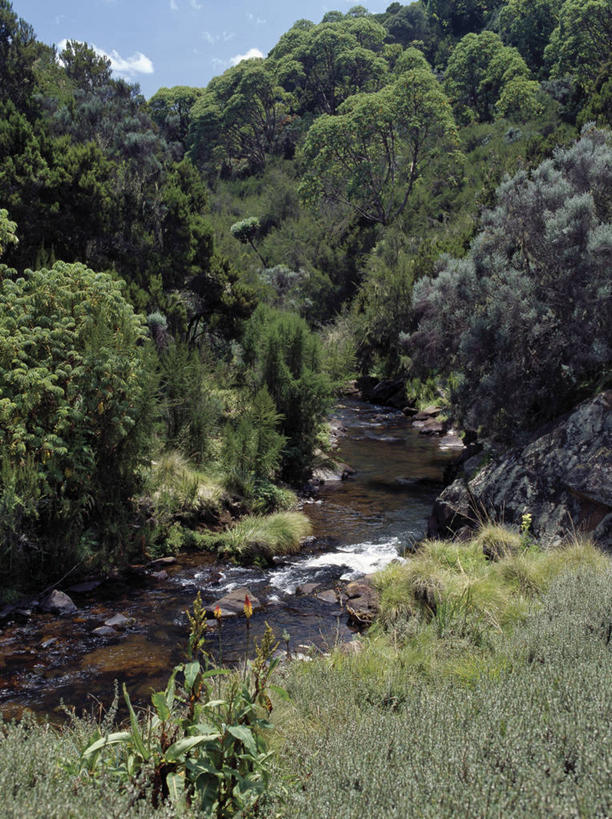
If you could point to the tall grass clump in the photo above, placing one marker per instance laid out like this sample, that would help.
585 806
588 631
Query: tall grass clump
532 739
262 537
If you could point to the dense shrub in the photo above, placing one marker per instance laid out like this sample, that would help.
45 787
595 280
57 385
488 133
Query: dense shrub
75 413
282 354
525 318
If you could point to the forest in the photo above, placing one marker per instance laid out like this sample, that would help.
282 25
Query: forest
188 283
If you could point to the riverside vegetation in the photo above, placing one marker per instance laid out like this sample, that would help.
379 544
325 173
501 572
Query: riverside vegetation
422 194
483 688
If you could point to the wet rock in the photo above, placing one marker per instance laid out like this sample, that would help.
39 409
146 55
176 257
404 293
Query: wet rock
427 413
337 471
329 596
105 631
432 426
563 478
161 575
452 441
58 602
119 621
362 603
163 561
86 586
49 642
410 411
306 588
232 603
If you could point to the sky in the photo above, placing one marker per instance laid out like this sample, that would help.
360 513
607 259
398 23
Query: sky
159 43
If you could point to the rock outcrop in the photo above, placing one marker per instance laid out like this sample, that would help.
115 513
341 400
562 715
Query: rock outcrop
563 478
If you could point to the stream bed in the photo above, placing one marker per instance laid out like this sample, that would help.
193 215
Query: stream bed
359 525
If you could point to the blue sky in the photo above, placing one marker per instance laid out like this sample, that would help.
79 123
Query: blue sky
173 42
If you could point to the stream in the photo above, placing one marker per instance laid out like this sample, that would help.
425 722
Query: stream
359 525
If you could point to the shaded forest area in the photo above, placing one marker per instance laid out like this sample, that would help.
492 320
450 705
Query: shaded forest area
421 194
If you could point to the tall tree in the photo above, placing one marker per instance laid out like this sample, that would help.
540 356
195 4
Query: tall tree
369 157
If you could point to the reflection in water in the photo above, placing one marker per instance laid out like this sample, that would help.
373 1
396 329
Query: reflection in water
367 521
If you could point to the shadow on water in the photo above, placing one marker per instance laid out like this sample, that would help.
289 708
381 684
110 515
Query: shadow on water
366 521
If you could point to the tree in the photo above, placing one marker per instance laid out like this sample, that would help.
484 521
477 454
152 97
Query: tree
246 231
369 157
239 117
458 17
527 25
171 110
479 69
75 411
282 354
524 322
581 44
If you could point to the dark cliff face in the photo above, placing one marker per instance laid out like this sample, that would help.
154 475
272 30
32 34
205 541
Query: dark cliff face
563 478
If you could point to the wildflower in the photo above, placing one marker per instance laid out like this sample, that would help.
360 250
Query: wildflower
248 607
217 612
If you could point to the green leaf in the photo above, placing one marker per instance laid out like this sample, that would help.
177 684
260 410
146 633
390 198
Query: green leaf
280 692
111 739
176 787
159 702
245 736
191 672
135 733
183 746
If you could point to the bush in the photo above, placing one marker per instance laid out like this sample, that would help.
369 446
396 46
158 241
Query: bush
76 412
282 354
525 318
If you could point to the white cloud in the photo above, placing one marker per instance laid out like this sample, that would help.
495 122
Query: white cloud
250 54
138 63
210 38
259 21
173 5
195 5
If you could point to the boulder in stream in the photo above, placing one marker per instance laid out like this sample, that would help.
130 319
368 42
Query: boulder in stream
562 478
232 603
362 603
58 602
119 621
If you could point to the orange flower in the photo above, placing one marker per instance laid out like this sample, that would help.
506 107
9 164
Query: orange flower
248 607
218 612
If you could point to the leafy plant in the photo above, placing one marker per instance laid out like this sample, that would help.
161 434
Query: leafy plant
194 745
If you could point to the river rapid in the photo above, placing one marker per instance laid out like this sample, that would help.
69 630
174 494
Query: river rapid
359 526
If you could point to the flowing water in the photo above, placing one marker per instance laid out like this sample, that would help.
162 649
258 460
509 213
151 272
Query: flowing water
359 524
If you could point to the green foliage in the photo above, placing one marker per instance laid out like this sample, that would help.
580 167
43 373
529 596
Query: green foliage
76 407
261 537
525 736
479 71
193 746
283 355
7 231
369 157
253 446
516 317
191 409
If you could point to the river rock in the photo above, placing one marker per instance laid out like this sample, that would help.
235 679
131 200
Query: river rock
58 602
232 603
328 596
362 603
162 574
119 621
427 413
563 478
163 561
306 588
105 631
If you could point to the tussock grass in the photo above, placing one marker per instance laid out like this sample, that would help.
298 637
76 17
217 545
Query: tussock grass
262 537
177 484
521 728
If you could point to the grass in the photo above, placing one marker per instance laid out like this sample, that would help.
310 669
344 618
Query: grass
483 691
179 488
262 537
